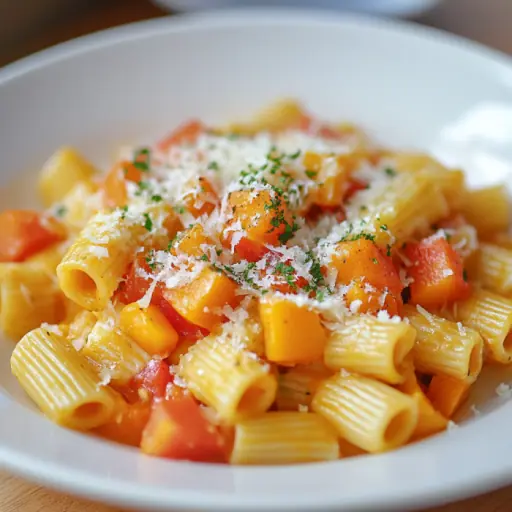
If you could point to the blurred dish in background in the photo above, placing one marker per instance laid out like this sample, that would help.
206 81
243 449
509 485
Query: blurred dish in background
404 8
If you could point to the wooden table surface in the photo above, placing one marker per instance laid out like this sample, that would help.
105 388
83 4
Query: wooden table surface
486 21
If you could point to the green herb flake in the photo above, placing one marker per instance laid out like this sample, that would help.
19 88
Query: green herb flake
213 165
148 223
61 211
141 159
311 174
204 257
375 261
156 198
179 209
390 172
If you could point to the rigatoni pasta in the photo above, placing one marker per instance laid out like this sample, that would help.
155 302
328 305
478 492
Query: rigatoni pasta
365 412
61 381
273 292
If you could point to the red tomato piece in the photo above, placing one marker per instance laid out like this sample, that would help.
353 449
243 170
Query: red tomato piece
183 327
178 429
24 233
353 187
184 134
154 378
249 250
437 271
135 285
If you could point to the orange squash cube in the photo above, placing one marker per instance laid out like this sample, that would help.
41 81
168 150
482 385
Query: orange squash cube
293 334
127 427
263 215
331 173
447 394
430 421
190 242
203 199
114 185
198 300
372 300
362 258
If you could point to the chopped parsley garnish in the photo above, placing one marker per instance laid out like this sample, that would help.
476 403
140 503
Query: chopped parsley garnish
214 166
218 251
289 231
204 257
295 155
148 223
311 174
179 209
61 211
156 198
287 272
375 261
358 236
390 172
143 185
124 210
388 250
384 227
150 260
141 159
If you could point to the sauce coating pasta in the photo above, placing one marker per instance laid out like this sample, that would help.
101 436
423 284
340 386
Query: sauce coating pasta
265 293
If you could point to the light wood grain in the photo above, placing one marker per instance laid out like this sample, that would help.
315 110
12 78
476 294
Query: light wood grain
486 21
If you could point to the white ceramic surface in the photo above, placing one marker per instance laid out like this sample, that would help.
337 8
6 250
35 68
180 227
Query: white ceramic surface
381 7
411 87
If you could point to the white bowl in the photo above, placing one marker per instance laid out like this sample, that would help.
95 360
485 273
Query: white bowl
410 86
382 7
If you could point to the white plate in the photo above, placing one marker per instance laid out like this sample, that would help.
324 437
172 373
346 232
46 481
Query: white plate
410 86
383 7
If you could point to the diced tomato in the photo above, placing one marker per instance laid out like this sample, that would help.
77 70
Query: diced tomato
114 185
184 134
178 429
249 250
135 285
183 327
153 378
437 271
354 186
24 233
362 258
